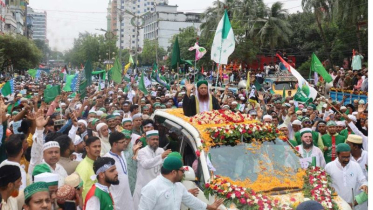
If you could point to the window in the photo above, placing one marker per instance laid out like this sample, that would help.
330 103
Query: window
133 36
138 6
144 10
133 42
151 9
152 3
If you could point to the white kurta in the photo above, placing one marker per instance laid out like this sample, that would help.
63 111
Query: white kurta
105 145
37 158
121 193
344 179
149 165
363 162
162 194
316 152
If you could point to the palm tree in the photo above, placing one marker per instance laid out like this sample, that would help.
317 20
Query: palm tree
271 26
352 12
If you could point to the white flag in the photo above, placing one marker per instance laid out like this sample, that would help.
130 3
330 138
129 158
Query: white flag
224 44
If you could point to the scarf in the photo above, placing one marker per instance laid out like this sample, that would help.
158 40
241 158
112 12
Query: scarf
201 107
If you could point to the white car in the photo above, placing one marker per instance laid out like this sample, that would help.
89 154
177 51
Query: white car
238 162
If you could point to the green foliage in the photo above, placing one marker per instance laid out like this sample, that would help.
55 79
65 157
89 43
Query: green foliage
22 52
91 46
44 48
148 55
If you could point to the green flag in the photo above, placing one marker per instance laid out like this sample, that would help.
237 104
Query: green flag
32 72
317 66
51 93
7 89
69 79
142 86
257 85
301 96
283 95
155 68
83 88
175 59
88 72
130 60
116 72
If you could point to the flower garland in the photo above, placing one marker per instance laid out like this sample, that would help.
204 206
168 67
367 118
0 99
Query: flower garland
316 186
232 134
357 92
219 117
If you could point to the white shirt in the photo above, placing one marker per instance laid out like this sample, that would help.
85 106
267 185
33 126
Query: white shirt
358 132
121 193
79 156
94 203
37 158
344 179
162 194
23 172
149 165
363 160
315 152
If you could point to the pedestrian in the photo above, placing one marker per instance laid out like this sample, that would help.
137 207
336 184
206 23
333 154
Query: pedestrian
10 182
308 150
331 140
37 197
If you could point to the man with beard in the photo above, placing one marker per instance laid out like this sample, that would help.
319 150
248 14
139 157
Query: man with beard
66 150
82 129
347 175
99 196
126 109
307 123
149 162
121 193
103 134
10 182
308 150
111 123
85 167
200 102
167 193
331 140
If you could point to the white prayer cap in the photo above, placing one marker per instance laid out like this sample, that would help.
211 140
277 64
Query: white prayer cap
298 112
242 98
182 93
77 140
120 91
226 107
126 120
152 133
305 130
240 95
354 113
325 105
138 115
296 122
84 122
304 110
63 104
145 116
267 117
116 114
282 126
51 144
49 178
291 101
99 113
343 107
99 126
352 117
341 123
78 106
111 92
234 102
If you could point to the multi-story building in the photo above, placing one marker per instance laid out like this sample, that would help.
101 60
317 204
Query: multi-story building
30 23
108 17
39 25
2 16
166 21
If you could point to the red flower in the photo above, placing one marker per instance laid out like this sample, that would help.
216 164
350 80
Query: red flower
238 194
297 148
292 199
249 132
207 185
243 201
198 153
251 126
229 195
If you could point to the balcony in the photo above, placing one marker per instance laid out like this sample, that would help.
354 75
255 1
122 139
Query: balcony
10 20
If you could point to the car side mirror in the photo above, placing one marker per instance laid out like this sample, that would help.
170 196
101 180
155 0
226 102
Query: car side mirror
189 174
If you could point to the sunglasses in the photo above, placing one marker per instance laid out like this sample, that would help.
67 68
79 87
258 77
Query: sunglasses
308 122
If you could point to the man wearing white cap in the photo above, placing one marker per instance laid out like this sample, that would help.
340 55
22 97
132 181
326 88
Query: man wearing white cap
78 148
308 150
127 124
136 123
103 134
357 153
149 163
82 129
267 119
48 152
354 130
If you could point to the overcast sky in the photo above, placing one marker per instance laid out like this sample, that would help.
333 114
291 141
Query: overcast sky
67 18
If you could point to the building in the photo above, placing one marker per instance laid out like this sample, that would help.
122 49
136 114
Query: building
108 17
30 23
166 21
2 16
121 23
39 25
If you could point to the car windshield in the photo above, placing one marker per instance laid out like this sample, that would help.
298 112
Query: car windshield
248 160
281 85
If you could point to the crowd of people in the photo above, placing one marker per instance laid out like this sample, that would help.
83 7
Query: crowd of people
101 151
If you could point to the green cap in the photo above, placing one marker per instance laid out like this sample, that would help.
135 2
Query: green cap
343 147
110 117
102 109
199 83
331 123
163 106
305 130
34 188
94 121
156 104
175 154
145 108
172 163
127 133
15 112
104 115
306 119
41 168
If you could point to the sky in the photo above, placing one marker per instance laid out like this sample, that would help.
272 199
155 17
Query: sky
67 18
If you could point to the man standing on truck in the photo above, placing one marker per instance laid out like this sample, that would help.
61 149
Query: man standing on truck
200 102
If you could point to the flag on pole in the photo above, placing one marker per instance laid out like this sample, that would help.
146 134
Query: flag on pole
317 66
175 58
51 93
305 92
224 43
142 86
8 88
283 95
248 81
88 72
74 82
32 72
316 78
116 72
69 79
200 51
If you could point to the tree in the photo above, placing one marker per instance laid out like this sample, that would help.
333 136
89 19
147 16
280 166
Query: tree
272 27
20 51
44 48
148 55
